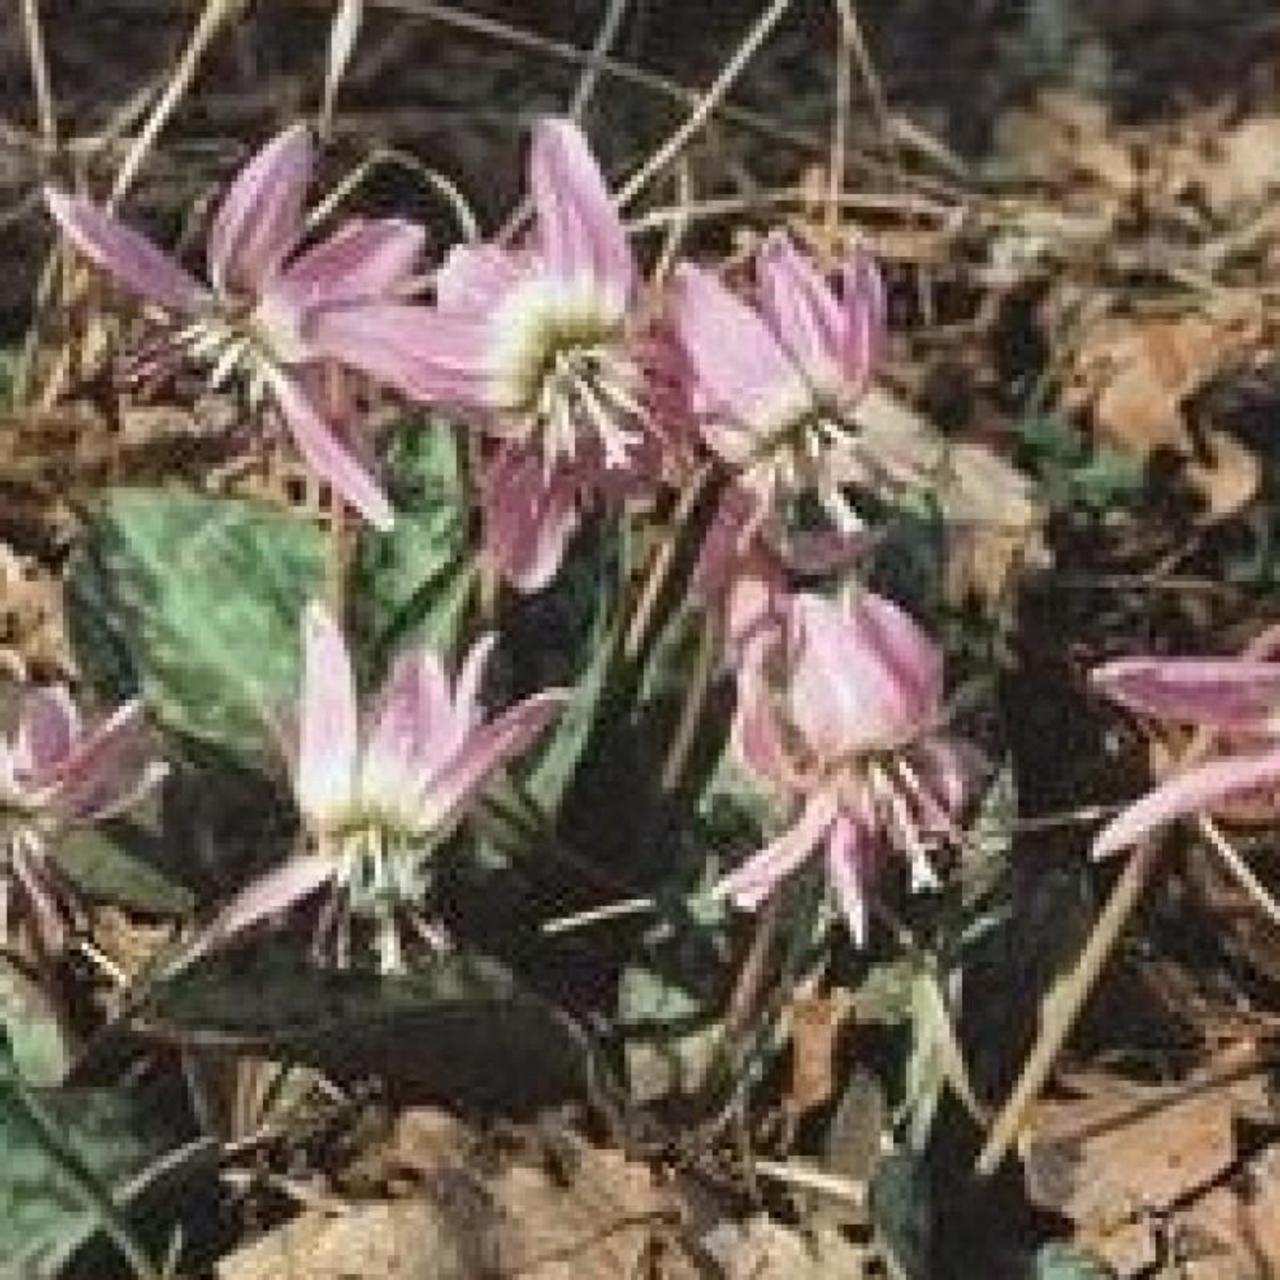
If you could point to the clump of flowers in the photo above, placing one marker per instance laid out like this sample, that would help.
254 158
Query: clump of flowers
1235 699
586 388
281 317
377 792
840 710
57 775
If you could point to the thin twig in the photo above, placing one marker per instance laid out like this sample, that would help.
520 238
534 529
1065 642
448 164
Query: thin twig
604 41
36 56
792 1174
213 17
639 624
842 94
618 68
759 201
602 914
759 32
1239 868
691 709
1062 1007
392 157
678 227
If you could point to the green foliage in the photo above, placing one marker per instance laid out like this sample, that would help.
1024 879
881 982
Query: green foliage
9 362
122 863
1071 474
901 1207
1062 1262
37 1038
80 1162
195 602
451 1030
670 1000
411 585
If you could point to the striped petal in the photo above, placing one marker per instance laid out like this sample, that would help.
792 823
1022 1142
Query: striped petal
260 219
580 231
125 254
1237 694
1199 788
324 774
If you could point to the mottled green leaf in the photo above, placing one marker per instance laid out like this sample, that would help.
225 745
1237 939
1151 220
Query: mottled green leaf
82 1162
901 1207
411 585
1058 1261
195 601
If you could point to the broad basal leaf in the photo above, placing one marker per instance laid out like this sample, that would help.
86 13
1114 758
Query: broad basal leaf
461 1028
195 602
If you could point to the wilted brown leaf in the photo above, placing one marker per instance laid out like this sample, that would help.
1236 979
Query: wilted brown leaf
1136 374
815 1026
1119 1155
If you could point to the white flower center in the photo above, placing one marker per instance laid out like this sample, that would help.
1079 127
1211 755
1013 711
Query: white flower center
561 370
380 865
245 340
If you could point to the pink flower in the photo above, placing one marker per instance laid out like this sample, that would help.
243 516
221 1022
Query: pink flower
1238 699
55 776
539 341
377 792
273 313
839 710
776 383
745 563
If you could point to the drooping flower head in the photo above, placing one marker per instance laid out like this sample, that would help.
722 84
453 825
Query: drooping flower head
537 340
839 709
273 313
777 382
1236 699
377 791
55 776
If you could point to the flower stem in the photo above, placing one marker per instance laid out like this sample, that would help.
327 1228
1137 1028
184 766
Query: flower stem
339 560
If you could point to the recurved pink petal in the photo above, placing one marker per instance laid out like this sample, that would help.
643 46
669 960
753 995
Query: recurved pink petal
760 875
580 232
328 728
1236 694
742 371
363 261
424 354
318 443
529 517
486 750
260 219
270 895
1197 789
48 729
120 251
806 315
